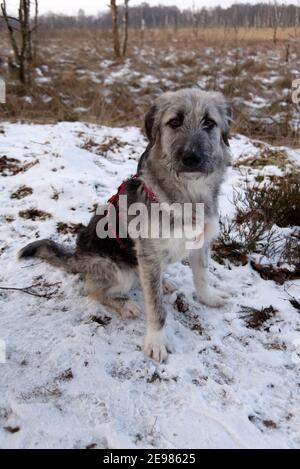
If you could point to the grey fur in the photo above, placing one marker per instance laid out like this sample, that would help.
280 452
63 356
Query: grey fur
185 162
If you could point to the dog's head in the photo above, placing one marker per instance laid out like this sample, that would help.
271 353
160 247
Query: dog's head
188 129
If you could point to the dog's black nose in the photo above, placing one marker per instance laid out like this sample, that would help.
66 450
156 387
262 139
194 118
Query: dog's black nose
190 160
193 159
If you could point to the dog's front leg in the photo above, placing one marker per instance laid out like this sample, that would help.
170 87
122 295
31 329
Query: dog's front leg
199 261
150 271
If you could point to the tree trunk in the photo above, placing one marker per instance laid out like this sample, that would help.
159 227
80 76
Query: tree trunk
126 25
276 21
115 28
297 19
35 28
26 52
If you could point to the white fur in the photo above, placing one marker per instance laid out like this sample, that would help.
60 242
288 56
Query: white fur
156 345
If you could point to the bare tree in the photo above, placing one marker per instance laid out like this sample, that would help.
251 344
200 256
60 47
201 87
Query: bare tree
35 30
125 26
119 51
115 28
142 31
195 20
276 20
20 34
297 19
8 21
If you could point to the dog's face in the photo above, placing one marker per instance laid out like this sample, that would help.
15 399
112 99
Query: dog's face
189 128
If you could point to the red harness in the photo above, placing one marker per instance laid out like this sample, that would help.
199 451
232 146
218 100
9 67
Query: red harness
115 199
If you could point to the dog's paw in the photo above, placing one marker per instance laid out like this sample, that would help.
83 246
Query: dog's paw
213 297
156 346
168 287
130 310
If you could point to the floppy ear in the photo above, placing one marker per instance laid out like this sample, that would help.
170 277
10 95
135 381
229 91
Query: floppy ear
149 125
227 113
225 137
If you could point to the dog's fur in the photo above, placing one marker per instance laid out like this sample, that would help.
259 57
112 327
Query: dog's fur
185 162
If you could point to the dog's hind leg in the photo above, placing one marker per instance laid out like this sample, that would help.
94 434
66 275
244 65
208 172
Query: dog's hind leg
105 281
109 285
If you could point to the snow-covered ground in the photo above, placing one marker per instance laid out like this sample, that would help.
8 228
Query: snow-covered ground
74 375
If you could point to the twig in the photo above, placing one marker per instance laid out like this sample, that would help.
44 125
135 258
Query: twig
41 143
30 265
11 18
23 290
28 292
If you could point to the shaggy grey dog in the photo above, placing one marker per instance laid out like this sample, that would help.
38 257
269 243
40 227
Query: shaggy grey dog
185 162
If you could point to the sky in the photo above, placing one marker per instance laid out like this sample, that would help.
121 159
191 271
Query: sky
71 7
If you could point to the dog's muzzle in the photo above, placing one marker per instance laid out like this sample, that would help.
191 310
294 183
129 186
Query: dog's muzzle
196 160
196 153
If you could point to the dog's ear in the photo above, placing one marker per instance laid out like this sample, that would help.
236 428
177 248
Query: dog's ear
150 124
227 113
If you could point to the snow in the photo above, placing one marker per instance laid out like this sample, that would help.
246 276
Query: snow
43 80
69 382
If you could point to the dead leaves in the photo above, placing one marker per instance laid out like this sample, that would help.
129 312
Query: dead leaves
276 273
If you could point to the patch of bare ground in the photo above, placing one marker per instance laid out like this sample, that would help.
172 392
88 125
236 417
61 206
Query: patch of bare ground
68 228
263 423
34 214
22 192
12 166
112 144
65 376
266 157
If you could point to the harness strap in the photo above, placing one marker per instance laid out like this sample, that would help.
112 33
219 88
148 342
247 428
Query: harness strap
115 199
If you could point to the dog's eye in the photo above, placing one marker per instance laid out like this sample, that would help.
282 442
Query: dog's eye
208 124
175 123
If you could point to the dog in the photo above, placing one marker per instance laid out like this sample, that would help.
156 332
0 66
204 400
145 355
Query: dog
185 162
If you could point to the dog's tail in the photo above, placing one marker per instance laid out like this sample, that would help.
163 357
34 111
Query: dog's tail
51 252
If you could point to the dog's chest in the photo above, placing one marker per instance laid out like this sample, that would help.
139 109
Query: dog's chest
175 250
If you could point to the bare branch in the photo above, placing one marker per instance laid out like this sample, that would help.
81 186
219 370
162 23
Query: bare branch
10 30
28 290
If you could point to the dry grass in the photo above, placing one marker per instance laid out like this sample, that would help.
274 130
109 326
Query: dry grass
34 214
276 202
22 192
78 79
260 209
256 318
217 35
